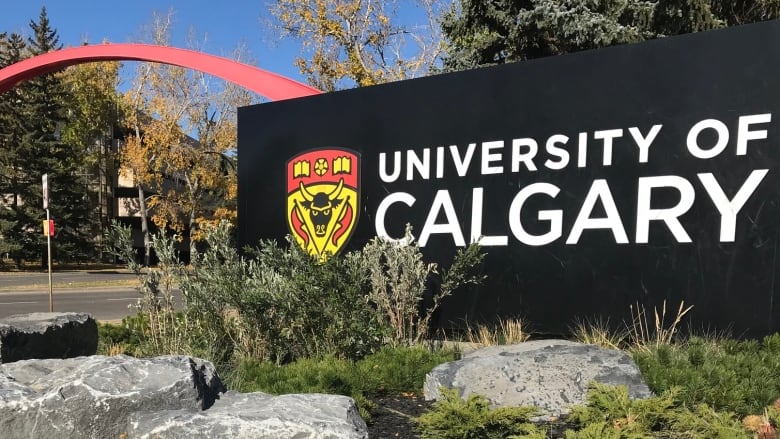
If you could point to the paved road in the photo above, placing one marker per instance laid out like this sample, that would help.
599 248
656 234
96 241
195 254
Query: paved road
26 292
22 279
102 303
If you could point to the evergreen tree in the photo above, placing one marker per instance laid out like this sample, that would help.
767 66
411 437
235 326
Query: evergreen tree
675 17
31 118
735 12
480 33
12 173
46 153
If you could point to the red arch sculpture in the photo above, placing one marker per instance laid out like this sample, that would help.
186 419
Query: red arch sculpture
262 82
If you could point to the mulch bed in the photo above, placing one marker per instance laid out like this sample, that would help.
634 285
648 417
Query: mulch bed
392 417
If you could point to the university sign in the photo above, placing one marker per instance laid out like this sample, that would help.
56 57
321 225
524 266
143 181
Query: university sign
594 181
519 155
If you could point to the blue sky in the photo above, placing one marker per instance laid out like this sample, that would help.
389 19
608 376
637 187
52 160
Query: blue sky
224 23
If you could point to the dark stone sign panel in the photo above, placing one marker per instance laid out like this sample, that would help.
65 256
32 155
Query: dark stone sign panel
594 181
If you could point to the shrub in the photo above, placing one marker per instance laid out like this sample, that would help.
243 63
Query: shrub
764 426
281 304
400 369
610 413
307 375
738 376
320 301
629 418
291 305
704 422
278 304
472 418
124 338
398 277
391 370
110 333
596 430
161 328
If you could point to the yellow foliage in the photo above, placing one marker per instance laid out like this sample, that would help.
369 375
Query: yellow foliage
93 100
185 129
359 40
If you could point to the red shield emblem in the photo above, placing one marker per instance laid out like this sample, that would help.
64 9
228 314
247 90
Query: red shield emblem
323 193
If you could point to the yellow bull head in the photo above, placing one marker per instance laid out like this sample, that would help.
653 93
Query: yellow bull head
320 206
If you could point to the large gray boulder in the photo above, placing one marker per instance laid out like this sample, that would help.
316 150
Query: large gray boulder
256 416
47 335
92 397
549 374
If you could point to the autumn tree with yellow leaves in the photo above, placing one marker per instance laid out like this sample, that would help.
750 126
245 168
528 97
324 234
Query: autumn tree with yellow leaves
94 107
182 143
360 42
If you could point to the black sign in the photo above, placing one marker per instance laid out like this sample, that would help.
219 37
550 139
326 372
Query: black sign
594 181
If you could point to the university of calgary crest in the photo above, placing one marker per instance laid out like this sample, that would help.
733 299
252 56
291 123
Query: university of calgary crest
323 190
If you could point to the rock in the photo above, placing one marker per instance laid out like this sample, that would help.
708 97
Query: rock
256 415
47 335
92 397
549 374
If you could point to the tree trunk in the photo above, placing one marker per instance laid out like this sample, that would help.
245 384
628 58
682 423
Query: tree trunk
144 226
193 189
17 254
142 208
101 199
192 233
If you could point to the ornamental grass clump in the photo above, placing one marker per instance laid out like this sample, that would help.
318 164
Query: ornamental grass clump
506 331
645 336
599 332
